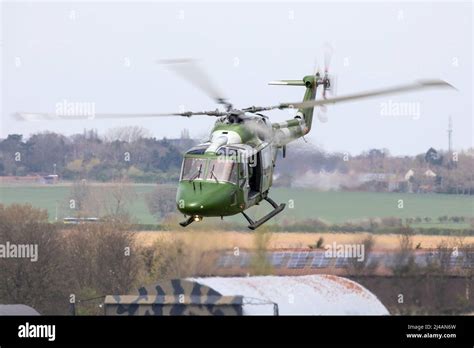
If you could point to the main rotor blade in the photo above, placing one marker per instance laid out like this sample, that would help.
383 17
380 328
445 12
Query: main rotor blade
189 70
32 116
418 85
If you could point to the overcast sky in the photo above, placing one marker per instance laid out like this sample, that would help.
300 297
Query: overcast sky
106 53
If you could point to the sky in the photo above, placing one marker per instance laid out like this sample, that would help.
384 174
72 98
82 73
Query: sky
105 54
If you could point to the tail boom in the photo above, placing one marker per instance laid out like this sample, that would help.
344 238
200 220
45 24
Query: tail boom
300 125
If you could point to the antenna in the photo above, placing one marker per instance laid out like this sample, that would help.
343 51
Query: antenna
450 134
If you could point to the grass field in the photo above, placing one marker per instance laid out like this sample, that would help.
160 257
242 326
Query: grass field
333 207
225 240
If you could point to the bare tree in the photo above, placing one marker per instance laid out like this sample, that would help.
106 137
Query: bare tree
129 134
259 264
162 201
117 197
111 200
364 266
79 196
404 258
172 257
104 256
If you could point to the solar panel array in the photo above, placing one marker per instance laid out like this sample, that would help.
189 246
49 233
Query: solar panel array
277 259
298 260
375 259
342 262
318 259
230 260
468 261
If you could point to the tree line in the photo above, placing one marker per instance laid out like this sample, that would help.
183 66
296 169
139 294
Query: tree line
377 170
132 153
128 152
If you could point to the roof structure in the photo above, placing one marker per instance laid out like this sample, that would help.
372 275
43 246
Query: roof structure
17 309
260 295
298 295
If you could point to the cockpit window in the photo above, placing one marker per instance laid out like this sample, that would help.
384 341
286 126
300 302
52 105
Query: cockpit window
193 168
198 150
221 170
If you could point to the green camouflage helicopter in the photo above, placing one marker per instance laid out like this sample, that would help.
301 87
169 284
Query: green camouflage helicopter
233 170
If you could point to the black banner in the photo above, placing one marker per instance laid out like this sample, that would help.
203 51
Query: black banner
288 330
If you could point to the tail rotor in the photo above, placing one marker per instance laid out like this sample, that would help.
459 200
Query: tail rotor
327 81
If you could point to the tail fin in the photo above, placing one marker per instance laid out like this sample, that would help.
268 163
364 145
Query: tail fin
311 83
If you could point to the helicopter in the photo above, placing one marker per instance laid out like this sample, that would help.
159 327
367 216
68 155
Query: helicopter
233 170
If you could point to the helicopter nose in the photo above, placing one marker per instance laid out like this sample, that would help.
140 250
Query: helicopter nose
192 207
204 199
198 202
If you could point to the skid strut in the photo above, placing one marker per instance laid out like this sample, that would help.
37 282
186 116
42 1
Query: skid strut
276 210
187 222
190 220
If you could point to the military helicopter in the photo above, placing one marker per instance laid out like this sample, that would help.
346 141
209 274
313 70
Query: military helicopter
233 170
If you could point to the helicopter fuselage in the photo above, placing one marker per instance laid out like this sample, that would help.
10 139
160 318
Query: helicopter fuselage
229 173
234 169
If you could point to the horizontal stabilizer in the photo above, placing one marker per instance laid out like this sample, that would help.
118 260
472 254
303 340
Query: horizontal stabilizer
287 82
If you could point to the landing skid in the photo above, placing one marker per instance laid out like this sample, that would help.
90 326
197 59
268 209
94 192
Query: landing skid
187 222
277 209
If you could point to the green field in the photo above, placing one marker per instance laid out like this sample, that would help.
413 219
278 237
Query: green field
50 196
334 207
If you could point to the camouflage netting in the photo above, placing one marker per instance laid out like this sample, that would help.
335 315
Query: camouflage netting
174 297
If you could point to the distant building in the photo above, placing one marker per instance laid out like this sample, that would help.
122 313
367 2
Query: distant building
82 220
409 174
51 179
430 173
391 181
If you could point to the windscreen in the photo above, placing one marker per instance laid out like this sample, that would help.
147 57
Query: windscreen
193 168
220 170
